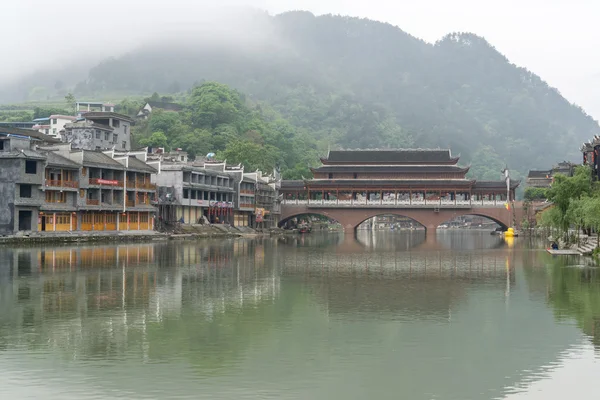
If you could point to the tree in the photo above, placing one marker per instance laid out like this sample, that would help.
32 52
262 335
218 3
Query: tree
251 155
535 193
70 103
157 139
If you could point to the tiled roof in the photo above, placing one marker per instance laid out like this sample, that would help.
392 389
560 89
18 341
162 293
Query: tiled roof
25 153
137 165
165 106
27 132
391 169
539 174
400 156
292 184
514 183
390 182
60 161
99 159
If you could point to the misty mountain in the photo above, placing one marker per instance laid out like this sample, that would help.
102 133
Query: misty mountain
359 83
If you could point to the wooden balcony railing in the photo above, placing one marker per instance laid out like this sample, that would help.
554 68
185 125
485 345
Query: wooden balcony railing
67 184
92 202
130 203
246 205
246 191
145 185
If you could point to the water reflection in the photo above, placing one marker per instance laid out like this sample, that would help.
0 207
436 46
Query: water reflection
313 316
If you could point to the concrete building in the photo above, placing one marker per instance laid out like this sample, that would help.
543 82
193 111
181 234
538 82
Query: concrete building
53 124
47 186
544 178
189 192
99 131
92 106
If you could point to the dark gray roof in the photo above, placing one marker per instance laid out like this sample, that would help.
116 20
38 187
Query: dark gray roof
391 169
57 160
292 184
137 165
99 159
390 182
25 153
539 174
514 183
30 133
398 156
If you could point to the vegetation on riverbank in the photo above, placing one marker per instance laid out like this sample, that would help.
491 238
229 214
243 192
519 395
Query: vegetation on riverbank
575 204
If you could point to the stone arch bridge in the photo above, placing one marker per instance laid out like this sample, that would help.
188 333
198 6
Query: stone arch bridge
432 217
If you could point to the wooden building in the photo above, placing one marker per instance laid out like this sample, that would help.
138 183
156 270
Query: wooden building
403 177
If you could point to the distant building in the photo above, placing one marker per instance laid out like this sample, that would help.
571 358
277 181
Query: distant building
93 106
99 131
53 124
158 105
544 178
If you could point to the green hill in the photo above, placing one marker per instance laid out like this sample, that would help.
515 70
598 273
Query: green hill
349 82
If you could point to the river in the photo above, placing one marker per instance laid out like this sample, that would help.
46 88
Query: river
384 315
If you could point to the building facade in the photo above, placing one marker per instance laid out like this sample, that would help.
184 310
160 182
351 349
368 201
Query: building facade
99 131
53 125
49 187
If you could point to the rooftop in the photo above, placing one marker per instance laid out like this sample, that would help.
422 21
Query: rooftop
546 174
135 164
57 160
391 156
165 105
98 159
105 114
27 133
391 168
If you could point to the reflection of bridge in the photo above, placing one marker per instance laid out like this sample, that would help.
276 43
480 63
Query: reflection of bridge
430 215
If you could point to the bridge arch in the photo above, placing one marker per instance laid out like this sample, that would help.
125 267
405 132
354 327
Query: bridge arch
494 218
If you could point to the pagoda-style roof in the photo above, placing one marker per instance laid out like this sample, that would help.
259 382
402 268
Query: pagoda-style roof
392 169
398 183
390 156
540 174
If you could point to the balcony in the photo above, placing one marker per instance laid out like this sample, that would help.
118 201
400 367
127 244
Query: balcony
247 191
130 203
246 205
106 182
62 184
145 185
92 202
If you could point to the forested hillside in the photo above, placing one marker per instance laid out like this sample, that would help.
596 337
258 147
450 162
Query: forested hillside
348 82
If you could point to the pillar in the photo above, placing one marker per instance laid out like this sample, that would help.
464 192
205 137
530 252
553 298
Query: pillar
53 222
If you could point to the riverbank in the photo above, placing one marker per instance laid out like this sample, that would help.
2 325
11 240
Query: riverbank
185 232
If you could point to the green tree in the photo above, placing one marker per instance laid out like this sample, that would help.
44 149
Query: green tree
157 139
70 103
251 155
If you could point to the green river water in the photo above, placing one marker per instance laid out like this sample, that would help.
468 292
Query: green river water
387 315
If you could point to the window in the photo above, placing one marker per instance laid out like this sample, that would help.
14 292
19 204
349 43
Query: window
125 129
186 193
2 144
56 197
97 134
115 138
355 176
30 167
124 144
47 131
106 136
54 121
54 131
25 191
116 123
330 176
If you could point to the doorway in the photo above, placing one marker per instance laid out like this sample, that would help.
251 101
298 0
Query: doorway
25 220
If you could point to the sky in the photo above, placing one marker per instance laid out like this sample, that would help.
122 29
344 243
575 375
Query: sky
556 39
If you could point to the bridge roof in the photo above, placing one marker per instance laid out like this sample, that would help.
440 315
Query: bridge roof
514 183
390 156
391 183
392 168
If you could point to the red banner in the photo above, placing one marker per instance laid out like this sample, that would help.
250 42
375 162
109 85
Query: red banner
107 182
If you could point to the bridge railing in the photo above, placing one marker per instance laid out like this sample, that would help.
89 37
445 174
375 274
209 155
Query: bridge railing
443 203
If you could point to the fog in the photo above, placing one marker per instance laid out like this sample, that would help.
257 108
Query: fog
553 38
